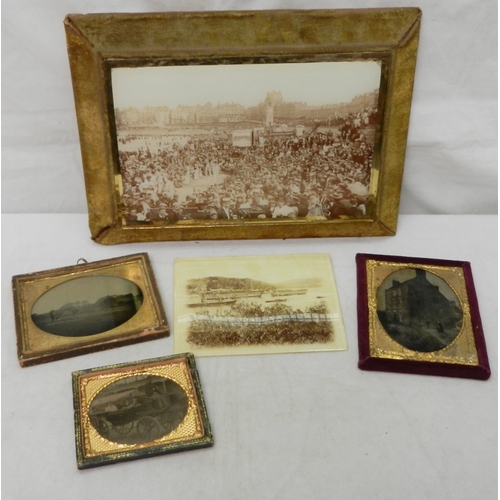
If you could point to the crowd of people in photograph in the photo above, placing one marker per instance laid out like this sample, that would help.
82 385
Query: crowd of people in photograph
323 173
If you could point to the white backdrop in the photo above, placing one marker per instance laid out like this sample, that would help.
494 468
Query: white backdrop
285 426
451 165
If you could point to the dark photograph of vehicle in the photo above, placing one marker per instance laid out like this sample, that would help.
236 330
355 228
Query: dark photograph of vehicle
138 409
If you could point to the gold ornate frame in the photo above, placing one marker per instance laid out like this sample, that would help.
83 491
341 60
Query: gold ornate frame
194 431
99 42
36 346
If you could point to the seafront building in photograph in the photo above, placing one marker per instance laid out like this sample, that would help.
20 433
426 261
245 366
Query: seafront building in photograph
232 113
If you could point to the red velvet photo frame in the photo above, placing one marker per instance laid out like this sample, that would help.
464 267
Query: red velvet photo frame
419 316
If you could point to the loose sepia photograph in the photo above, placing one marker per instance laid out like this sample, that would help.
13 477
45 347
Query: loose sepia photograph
292 140
257 305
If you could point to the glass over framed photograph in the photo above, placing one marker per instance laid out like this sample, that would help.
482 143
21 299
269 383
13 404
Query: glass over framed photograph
257 305
239 125
88 307
138 410
419 316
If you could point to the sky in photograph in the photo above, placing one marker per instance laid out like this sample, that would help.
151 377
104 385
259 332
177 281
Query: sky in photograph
406 274
315 83
270 269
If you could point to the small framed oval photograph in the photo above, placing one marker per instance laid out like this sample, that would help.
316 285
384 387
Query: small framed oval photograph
139 409
87 307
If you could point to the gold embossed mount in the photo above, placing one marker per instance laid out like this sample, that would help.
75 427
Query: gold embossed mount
100 43
419 316
137 410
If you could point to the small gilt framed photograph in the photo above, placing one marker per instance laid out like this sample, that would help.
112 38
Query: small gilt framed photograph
138 410
87 307
257 305
419 315
243 124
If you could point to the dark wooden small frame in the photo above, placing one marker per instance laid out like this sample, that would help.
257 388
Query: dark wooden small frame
36 346
93 450
465 357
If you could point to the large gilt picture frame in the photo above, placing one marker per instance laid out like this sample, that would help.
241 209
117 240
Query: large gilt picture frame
243 125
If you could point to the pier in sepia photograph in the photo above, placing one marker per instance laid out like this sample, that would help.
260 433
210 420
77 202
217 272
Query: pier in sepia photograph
419 310
251 305
247 141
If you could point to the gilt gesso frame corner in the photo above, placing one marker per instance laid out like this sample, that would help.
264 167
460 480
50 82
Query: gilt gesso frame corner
208 162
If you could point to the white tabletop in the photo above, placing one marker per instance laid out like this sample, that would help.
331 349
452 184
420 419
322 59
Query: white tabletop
293 426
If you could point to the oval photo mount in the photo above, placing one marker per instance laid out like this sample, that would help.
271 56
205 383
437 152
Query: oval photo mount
419 310
138 409
86 306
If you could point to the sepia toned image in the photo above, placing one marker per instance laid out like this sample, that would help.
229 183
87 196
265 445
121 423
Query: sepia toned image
213 126
255 305
247 141
86 306
419 310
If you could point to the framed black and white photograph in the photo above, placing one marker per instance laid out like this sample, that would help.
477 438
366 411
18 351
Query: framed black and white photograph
419 310
419 315
87 307
138 410
213 132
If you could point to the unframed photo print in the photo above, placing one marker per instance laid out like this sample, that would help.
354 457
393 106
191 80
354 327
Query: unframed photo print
257 305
